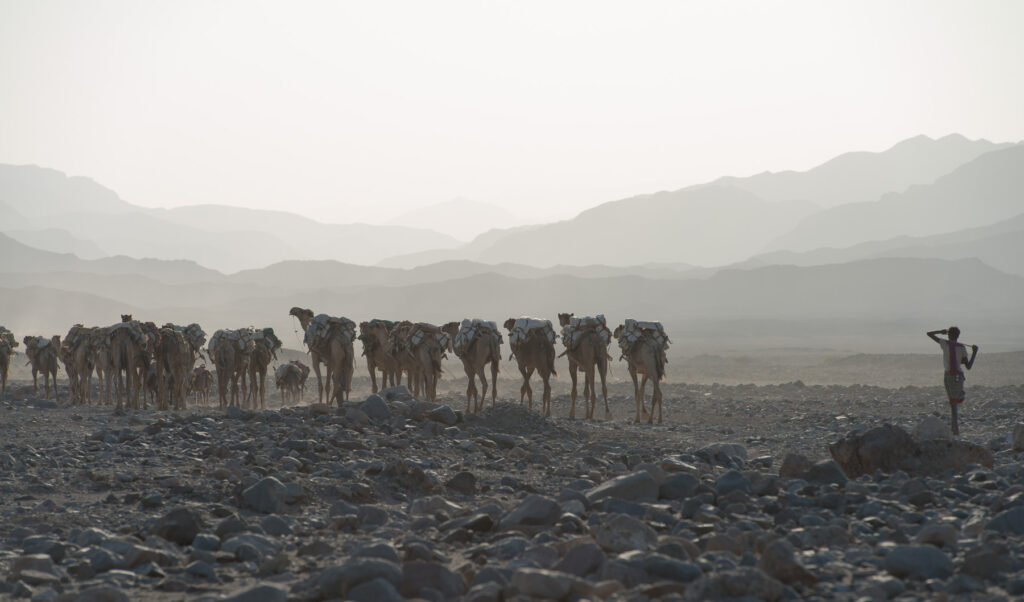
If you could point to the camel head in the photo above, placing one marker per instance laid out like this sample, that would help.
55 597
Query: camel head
509 324
126 317
618 330
451 329
563 319
304 315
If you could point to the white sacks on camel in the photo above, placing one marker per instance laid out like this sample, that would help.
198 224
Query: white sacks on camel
422 330
573 332
469 330
525 325
634 331
321 326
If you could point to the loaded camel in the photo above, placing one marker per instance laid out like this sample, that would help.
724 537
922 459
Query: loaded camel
290 379
200 385
266 346
483 348
230 351
42 355
126 344
644 357
173 359
77 355
7 346
418 350
586 350
375 336
334 350
535 352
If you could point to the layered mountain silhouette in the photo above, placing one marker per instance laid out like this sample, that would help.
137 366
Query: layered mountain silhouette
984 191
460 218
34 199
731 219
866 250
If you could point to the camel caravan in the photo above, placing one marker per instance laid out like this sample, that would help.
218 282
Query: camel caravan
138 364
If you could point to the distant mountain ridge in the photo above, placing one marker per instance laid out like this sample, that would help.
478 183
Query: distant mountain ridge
866 176
34 199
983 191
727 220
460 218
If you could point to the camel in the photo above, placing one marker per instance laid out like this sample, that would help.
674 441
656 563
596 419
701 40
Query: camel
402 354
42 355
290 379
200 384
99 348
126 347
334 351
484 348
644 357
232 361
266 346
590 351
418 351
7 346
376 347
173 358
77 355
534 353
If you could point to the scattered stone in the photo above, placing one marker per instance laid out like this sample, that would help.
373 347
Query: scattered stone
793 465
266 496
180 525
639 486
918 562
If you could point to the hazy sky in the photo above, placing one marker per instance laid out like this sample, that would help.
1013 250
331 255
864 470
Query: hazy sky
359 110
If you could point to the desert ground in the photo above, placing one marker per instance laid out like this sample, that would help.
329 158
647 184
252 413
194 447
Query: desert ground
733 496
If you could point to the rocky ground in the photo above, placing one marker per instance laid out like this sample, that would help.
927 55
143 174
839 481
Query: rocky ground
390 498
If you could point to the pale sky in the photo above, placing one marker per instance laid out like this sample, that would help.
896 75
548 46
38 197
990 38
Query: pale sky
357 111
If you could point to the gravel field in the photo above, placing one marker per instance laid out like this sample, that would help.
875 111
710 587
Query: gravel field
734 495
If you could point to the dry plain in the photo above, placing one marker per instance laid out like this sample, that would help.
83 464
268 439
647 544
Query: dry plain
392 498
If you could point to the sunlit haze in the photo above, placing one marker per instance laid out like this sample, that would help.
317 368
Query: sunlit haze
364 111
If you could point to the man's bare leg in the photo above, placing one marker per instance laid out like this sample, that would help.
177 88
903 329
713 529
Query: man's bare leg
954 425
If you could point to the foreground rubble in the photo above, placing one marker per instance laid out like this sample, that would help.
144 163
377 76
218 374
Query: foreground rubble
392 498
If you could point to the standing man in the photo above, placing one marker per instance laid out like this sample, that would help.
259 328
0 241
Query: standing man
953 355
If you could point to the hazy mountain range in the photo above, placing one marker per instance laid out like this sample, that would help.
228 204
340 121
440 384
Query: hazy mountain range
863 251
460 218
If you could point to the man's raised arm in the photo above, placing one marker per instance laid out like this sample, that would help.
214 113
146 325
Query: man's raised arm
974 354
935 332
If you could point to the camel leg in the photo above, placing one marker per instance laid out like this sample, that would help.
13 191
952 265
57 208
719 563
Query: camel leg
35 382
602 368
643 395
470 386
655 399
482 400
372 369
591 391
526 389
319 381
546 376
494 381
636 392
573 367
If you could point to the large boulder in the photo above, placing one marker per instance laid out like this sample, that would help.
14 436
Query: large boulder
889 448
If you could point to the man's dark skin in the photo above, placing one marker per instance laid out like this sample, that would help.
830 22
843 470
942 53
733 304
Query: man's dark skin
953 376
